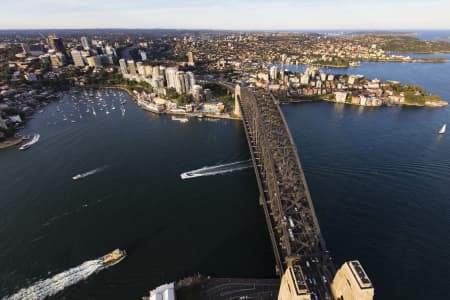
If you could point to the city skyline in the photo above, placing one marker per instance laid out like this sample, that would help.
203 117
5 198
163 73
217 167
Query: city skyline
228 15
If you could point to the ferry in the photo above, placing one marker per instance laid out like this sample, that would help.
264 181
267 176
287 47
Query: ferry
182 120
113 258
33 141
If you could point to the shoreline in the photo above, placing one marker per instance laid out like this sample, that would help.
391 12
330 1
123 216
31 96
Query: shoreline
440 104
203 115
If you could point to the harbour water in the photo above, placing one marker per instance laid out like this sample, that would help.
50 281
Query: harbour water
379 179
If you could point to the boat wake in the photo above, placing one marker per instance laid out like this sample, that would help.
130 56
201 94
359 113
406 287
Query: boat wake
89 173
51 286
218 169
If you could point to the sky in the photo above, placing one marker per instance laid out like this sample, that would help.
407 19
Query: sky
226 14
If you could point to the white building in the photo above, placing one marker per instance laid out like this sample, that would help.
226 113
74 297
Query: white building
77 58
273 71
123 66
171 77
141 68
131 67
84 43
340 96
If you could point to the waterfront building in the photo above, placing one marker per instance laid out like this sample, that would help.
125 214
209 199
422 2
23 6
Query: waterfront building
197 92
171 77
131 67
84 43
191 81
304 79
180 82
340 96
123 66
213 107
77 58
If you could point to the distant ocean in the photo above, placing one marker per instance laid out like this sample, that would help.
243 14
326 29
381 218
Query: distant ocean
431 35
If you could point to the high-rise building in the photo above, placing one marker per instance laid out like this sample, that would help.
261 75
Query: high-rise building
190 57
107 59
273 72
85 43
111 51
77 58
180 83
155 72
190 81
131 67
25 48
143 55
56 44
94 61
197 92
171 77
123 66
57 60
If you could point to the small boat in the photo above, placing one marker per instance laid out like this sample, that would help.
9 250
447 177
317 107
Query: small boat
443 129
186 175
113 258
33 141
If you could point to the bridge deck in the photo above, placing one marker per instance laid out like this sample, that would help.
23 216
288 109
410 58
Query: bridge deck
291 219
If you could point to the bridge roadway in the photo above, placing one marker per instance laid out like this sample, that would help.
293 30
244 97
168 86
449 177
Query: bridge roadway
291 220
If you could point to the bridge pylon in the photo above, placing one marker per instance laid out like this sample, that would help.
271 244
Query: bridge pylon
237 98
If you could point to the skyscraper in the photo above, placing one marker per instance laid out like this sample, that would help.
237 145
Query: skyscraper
84 43
171 77
77 58
273 72
56 44
190 58
123 66
190 82
180 82
94 61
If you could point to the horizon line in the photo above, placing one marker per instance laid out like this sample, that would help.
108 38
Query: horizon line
224 29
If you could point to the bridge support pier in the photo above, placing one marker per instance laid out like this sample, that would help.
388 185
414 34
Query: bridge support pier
237 98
